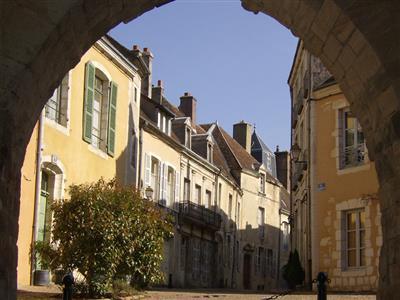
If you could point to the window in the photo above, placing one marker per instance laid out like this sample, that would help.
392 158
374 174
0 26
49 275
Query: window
352 146
187 137
164 123
238 215
261 221
270 262
230 207
260 261
136 94
219 194
186 189
134 144
262 183
170 185
197 194
209 152
57 106
155 178
285 238
100 110
355 238
208 199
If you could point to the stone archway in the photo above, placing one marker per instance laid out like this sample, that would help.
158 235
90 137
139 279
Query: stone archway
358 41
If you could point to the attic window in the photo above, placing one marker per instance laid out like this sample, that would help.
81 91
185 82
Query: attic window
164 123
187 137
209 152
262 183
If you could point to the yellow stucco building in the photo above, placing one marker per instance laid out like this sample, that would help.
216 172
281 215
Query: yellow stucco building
336 225
86 132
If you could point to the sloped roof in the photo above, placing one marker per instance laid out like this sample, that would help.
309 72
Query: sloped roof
235 155
258 143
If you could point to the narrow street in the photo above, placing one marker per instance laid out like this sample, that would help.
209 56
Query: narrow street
220 294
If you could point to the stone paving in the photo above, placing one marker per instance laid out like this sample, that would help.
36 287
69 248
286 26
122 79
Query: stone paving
54 292
225 295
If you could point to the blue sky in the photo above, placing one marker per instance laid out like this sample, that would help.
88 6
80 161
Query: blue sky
234 62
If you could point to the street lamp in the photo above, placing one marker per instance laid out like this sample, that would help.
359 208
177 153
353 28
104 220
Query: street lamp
149 193
295 153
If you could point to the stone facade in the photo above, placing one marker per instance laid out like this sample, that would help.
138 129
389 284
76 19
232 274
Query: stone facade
334 199
357 42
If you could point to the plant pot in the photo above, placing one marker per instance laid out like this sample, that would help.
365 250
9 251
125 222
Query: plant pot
41 277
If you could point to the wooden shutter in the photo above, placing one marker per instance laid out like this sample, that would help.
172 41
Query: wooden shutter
160 181
147 172
177 185
341 137
88 105
164 183
112 111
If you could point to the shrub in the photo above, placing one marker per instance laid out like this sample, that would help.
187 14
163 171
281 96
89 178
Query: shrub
293 272
105 230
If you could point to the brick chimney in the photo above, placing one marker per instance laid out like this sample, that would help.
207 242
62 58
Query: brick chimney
242 135
146 82
188 106
282 167
158 92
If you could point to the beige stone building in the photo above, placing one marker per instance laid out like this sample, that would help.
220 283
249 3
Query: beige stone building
231 213
336 213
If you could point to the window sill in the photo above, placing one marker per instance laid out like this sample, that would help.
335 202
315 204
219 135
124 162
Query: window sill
354 169
53 124
97 151
354 271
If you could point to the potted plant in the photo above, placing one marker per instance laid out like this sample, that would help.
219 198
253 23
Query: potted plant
293 272
44 256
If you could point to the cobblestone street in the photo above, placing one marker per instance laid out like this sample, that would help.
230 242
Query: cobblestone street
54 292
183 295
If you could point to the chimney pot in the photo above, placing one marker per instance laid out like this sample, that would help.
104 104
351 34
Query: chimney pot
186 94
135 47
160 83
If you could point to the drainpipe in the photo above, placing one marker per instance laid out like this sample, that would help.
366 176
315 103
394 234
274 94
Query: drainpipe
140 157
279 247
37 190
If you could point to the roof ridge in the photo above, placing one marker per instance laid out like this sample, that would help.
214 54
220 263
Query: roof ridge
230 149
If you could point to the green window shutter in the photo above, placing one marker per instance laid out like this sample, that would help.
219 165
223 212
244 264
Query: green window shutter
112 119
88 105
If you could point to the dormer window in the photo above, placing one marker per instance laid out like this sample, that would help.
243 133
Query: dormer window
187 137
164 123
209 153
262 183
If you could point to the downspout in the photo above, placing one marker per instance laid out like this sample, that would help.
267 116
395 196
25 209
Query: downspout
37 191
291 218
140 158
235 248
279 247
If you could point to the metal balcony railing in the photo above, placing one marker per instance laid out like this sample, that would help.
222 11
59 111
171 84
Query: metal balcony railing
353 156
199 215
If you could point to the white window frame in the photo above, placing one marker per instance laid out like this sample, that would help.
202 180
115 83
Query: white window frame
359 249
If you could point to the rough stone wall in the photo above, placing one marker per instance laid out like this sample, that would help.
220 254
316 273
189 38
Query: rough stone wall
356 40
